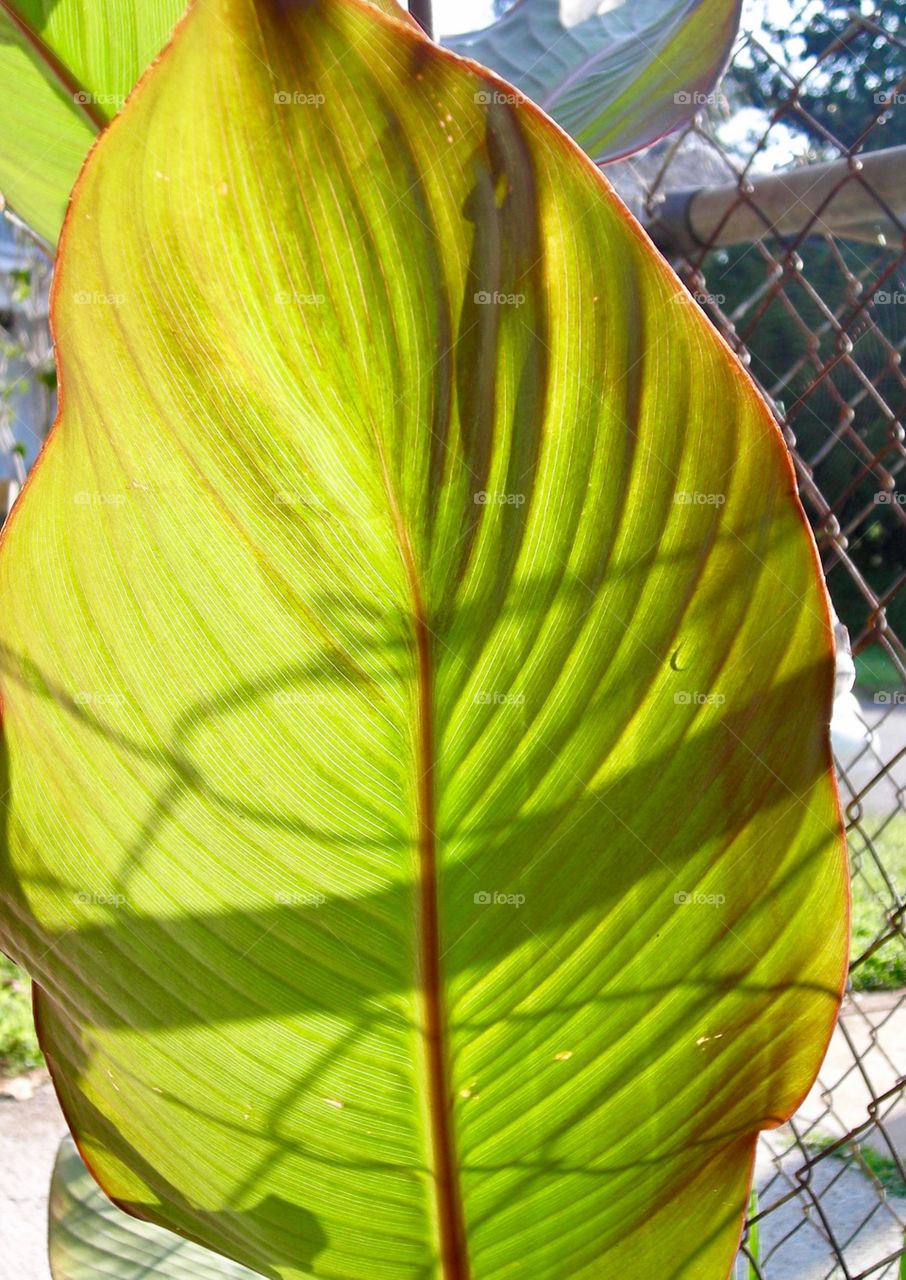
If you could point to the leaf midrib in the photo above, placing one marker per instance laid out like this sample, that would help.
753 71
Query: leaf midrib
444 1170
454 1261
57 69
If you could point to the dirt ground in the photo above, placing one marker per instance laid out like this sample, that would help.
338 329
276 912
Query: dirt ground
30 1132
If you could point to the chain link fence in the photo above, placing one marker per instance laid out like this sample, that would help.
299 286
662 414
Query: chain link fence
803 274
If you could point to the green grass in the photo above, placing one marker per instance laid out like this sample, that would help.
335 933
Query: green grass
18 1043
885 969
875 673
882 1168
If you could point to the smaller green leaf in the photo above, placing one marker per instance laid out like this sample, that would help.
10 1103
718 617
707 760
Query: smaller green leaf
616 76
65 71
91 1239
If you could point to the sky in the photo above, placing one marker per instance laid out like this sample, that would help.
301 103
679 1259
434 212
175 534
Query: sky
453 16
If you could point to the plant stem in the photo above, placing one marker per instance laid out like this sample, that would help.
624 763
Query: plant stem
421 12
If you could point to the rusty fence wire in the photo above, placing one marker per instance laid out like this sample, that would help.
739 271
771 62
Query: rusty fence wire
810 291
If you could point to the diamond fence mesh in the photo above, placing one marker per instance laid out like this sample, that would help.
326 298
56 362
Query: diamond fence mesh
810 292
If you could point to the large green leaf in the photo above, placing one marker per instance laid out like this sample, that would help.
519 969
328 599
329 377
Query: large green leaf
91 1239
410 611
618 79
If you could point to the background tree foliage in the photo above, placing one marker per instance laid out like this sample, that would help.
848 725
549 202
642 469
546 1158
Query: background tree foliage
855 67
840 104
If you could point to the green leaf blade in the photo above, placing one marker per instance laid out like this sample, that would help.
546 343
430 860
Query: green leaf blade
46 140
405 614
618 80
66 69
